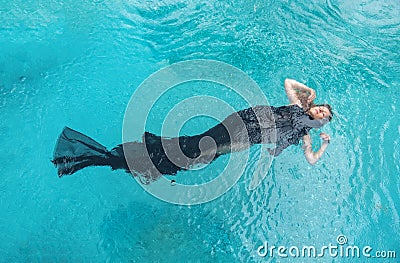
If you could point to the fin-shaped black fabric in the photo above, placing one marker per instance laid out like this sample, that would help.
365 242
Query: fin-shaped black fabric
75 144
74 151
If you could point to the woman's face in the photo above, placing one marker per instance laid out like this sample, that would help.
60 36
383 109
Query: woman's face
319 112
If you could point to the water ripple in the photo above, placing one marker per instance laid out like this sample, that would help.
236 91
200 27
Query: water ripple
346 50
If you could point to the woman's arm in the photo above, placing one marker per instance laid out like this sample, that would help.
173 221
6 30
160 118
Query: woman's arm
298 93
313 157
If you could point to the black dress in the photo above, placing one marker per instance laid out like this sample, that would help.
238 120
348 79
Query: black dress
155 155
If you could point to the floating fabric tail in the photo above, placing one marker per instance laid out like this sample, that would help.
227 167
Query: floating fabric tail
75 151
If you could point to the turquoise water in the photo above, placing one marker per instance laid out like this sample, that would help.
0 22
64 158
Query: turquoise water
77 64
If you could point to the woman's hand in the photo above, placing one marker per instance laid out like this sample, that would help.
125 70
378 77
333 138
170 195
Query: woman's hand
299 94
312 96
313 157
325 137
307 139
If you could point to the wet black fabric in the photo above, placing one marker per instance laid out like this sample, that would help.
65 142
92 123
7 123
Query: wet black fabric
282 126
74 151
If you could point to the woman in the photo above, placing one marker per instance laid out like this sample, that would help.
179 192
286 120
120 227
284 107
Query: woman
303 96
155 155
